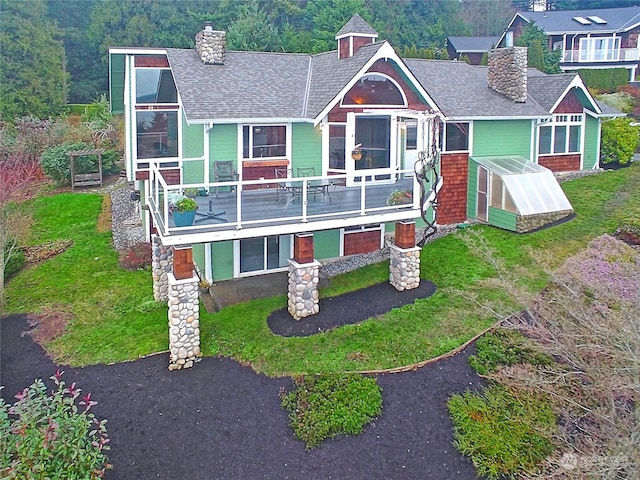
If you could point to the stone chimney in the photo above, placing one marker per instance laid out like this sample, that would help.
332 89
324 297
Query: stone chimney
211 45
508 72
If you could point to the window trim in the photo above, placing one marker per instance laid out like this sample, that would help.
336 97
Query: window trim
444 142
566 121
251 126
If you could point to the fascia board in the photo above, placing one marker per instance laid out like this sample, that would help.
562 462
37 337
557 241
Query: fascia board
248 121
136 50
496 118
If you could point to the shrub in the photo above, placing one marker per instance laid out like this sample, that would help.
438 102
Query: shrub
55 162
620 100
136 257
52 436
502 434
619 141
324 406
606 79
14 259
505 346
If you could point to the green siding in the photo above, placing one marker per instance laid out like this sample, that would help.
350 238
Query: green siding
472 190
193 171
326 244
591 154
222 260
306 146
192 140
502 137
198 255
223 145
116 79
502 219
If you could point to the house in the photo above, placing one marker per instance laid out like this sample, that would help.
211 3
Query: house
588 39
296 158
474 48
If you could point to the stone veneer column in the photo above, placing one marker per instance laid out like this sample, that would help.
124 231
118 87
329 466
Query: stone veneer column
404 264
303 289
161 265
304 278
184 322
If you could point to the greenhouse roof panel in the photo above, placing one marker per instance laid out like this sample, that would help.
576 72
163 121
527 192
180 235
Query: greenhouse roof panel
533 188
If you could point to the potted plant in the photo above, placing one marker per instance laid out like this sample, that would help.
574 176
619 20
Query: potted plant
400 197
356 153
184 211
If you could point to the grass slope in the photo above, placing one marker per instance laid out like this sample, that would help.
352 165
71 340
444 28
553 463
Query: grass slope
110 320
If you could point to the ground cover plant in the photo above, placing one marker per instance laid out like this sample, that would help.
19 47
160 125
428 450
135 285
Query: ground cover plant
105 323
53 436
325 406
586 319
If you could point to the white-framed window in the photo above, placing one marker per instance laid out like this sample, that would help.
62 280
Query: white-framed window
562 135
264 141
375 89
456 137
157 111
263 254
599 49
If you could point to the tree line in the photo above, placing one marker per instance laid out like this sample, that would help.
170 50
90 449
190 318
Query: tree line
54 52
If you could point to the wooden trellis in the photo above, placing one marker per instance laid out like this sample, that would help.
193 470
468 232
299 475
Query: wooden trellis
85 179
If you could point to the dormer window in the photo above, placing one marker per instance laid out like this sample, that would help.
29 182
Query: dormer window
375 89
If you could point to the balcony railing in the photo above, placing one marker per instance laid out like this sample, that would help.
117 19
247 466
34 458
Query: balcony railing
234 210
601 55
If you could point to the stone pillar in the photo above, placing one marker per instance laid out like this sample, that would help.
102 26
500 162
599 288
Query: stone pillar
404 264
184 322
303 295
161 265
304 278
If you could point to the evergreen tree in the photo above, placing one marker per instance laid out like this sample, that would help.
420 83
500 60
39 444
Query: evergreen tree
32 65
484 61
535 56
251 31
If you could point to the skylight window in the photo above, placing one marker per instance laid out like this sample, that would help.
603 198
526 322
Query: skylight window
582 20
597 19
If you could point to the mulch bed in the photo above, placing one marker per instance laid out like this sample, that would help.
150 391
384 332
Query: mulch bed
221 420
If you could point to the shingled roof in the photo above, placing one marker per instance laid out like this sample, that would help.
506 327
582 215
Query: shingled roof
248 85
263 84
461 91
356 25
562 21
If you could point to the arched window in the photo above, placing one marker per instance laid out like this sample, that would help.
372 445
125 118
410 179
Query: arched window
374 89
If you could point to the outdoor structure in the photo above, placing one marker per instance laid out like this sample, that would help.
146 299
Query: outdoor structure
474 48
346 151
589 39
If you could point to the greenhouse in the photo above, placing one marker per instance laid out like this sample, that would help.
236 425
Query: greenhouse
514 193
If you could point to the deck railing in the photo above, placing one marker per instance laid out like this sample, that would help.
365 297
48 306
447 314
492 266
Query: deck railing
288 205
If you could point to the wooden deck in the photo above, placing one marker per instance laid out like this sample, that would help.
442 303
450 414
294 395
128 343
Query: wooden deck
241 213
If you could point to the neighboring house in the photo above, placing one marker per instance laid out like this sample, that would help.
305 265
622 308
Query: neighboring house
242 130
471 47
590 39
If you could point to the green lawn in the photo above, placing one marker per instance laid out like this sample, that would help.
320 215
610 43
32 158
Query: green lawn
112 316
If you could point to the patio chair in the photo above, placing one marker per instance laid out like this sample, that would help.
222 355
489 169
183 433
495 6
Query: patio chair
307 172
282 189
223 172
